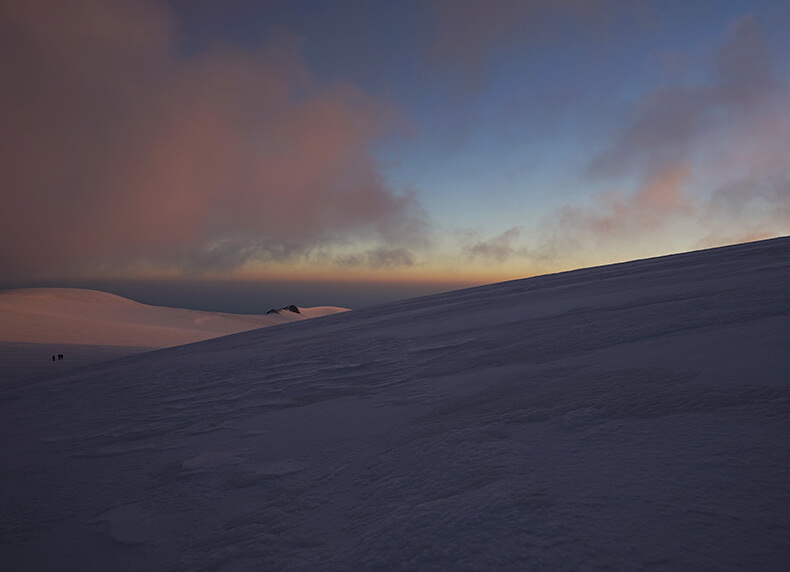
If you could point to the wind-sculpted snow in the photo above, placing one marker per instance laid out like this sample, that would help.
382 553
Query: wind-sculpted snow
624 417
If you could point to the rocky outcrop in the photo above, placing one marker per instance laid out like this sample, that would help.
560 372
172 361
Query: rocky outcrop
290 308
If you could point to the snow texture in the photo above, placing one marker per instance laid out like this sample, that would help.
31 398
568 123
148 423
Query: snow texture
633 416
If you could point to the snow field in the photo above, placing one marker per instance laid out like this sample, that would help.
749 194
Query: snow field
88 327
625 417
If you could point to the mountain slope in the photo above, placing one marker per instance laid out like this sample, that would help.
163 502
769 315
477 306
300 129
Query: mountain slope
89 326
621 417
77 316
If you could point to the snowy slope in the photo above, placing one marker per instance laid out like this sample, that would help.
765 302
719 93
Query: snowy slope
624 417
76 316
90 326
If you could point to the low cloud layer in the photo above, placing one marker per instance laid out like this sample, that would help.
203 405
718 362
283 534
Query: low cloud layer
496 249
378 259
116 146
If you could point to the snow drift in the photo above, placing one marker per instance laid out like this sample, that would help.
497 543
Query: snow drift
621 417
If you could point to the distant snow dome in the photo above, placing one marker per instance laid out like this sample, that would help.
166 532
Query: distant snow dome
90 326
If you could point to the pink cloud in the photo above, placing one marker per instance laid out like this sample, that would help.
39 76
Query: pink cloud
616 217
118 149
707 160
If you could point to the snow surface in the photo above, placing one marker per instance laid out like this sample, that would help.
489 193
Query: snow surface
89 326
625 417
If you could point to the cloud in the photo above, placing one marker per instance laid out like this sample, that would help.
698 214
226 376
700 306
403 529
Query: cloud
379 258
668 125
751 208
617 215
710 157
617 218
496 249
119 148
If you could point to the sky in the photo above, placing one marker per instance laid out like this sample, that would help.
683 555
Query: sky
233 155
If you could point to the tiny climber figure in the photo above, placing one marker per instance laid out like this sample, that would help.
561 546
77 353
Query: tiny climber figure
53 358
60 356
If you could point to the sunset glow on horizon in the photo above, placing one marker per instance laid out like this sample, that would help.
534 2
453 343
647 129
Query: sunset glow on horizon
436 143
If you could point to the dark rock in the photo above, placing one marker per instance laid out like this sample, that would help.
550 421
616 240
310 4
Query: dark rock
290 308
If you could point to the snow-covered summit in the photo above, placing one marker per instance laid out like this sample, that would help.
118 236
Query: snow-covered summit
625 417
